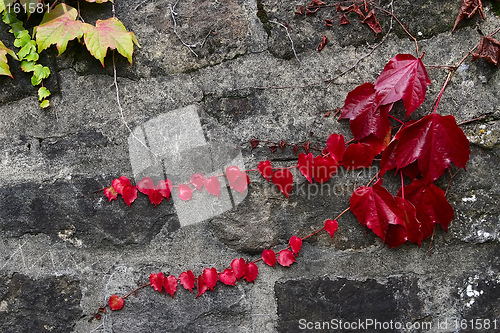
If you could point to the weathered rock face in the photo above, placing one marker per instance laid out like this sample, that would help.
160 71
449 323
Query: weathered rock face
64 249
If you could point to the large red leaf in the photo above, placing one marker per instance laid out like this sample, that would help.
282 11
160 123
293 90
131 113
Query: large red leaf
404 77
187 280
296 244
376 208
305 164
283 179
411 224
324 168
210 277
115 302
366 115
269 257
201 286
170 285
228 277
435 141
129 194
212 185
286 258
239 267
146 186
431 204
358 155
252 272
265 169
336 146
156 281
165 187
238 180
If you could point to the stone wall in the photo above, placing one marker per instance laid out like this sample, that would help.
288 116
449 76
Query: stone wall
62 254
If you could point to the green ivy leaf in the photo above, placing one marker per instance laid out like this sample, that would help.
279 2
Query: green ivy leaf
110 33
39 73
4 4
45 104
33 56
26 49
58 27
30 5
22 38
43 93
28 66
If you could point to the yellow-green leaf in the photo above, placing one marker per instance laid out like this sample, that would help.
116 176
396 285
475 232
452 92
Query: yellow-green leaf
43 93
4 68
58 26
28 66
30 6
5 3
45 104
110 33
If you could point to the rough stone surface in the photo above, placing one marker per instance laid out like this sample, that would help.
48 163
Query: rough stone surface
64 249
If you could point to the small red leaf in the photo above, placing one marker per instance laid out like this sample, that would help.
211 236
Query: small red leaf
306 146
165 187
212 185
305 164
336 146
238 180
344 20
404 77
145 185
120 183
110 193
372 22
286 258
187 280
210 277
239 267
269 257
156 281
296 244
265 169
489 49
252 272
115 302
185 192
329 22
331 226
324 168
323 43
358 155
300 11
129 194
170 285
254 143
197 180
227 277
283 179
201 286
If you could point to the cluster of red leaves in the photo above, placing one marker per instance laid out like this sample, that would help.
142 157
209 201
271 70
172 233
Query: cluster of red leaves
365 13
468 9
239 269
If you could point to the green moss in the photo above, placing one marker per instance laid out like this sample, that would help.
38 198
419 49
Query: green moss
496 8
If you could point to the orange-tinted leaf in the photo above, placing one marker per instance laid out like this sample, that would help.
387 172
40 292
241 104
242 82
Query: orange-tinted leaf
296 244
4 68
115 302
269 257
170 285
59 26
110 33
156 281
286 258
469 8
283 179
228 277
187 280
331 226
322 44
489 49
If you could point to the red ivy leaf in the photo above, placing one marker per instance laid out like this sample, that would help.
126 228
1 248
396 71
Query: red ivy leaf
295 149
329 22
404 77
187 280
120 183
375 208
210 277
212 185
306 146
358 155
311 12
336 147
372 22
165 187
431 205
305 164
239 267
170 285
324 168
489 49
115 302
146 186
411 224
227 277
344 20
377 144
202 287
469 8
296 244
129 194
283 179
435 141
185 192
265 169
300 11
286 258
254 143
269 257
273 148
110 193
365 114
323 43
238 180
331 226
197 180
388 162
252 272
156 281
282 145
